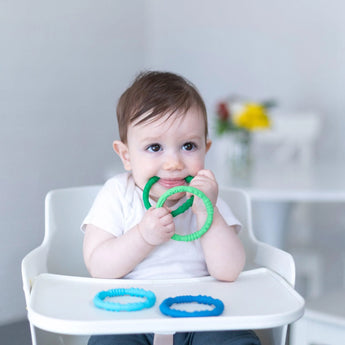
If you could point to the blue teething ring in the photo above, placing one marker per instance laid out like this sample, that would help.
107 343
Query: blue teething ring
167 303
99 299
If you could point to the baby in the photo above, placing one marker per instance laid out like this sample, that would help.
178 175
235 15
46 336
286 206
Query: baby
163 132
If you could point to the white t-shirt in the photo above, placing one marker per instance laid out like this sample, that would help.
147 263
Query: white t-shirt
118 207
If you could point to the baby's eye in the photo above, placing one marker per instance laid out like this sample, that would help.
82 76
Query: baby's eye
189 146
154 148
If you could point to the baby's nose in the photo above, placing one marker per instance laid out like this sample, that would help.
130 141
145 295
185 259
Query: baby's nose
173 162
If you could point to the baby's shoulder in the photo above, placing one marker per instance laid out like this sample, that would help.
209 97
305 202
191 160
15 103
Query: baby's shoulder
120 185
119 181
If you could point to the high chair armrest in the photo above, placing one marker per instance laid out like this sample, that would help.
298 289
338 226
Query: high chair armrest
276 260
33 264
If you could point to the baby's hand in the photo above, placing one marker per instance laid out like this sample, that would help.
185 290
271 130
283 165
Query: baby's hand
206 182
157 226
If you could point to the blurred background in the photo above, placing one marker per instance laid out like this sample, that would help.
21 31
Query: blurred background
64 64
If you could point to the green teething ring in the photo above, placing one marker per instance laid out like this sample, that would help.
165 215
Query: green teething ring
174 213
209 208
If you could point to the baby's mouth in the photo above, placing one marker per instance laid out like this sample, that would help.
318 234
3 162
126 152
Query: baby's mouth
170 183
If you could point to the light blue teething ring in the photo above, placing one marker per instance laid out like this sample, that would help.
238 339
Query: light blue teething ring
100 302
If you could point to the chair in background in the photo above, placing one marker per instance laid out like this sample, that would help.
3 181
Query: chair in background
291 141
51 272
323 321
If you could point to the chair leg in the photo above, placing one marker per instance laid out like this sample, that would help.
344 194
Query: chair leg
33 334
297 334
163 339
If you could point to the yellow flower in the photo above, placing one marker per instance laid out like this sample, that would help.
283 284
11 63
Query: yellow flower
253 116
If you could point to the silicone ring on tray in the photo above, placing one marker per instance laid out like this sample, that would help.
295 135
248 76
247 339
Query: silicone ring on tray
209 208
99 299
174 213
167 303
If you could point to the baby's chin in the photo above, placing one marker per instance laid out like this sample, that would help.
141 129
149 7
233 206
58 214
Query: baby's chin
172 200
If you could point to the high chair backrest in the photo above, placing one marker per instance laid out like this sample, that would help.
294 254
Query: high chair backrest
65 210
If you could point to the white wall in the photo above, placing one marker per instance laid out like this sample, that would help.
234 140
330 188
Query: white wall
293 51
63 64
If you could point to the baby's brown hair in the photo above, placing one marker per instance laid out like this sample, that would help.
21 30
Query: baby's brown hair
156 94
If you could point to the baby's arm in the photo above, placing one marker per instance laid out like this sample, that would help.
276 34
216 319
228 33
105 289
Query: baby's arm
107 256
223 250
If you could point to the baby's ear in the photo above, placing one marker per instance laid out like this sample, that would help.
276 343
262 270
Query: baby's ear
208 144
122 150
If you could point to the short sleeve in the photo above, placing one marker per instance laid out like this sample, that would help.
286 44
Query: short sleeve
228 215
106 212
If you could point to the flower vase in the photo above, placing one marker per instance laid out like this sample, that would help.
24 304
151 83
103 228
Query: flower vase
239 154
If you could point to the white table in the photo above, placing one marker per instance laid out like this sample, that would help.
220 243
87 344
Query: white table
273 188
258 299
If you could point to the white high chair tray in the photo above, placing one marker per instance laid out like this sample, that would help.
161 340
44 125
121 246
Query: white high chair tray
258 299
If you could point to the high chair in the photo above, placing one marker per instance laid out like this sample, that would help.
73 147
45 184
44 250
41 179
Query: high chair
59 291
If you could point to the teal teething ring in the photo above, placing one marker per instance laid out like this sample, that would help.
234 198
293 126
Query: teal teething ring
174 213
209 208
99 299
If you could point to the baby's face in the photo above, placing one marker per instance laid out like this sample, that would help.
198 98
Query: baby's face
170 148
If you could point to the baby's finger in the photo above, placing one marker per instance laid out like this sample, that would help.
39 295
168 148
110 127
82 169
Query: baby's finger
167 219
189 195
170 229
160 211
199 182
206 173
